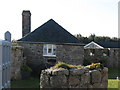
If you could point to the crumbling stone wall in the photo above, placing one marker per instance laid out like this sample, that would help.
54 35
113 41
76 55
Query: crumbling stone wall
110 56
17 60
74 78
114 58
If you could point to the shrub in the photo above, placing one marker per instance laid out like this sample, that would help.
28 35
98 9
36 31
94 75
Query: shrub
94 66
63 65
26 68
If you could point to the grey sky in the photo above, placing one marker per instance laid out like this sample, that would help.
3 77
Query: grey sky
77 16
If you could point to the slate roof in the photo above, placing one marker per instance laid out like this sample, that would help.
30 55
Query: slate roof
109 44
50 32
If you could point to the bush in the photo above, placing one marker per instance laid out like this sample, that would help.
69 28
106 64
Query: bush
95 66
26 68
63 65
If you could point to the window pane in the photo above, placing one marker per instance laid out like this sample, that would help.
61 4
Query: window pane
54 50
49 50
45 50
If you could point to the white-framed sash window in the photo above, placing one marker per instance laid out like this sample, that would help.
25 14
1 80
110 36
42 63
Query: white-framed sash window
49 50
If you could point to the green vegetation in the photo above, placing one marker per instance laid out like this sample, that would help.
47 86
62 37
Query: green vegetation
113 83
95 38
62 65
31 83
26 68
113 73
94 66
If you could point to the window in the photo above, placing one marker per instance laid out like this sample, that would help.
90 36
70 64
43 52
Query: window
49 50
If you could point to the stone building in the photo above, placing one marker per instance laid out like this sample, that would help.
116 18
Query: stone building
49 44
103 51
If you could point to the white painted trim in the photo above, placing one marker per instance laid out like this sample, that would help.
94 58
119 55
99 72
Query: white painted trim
86 46
49 54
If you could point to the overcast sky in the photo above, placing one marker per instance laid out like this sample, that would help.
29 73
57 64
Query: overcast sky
86 17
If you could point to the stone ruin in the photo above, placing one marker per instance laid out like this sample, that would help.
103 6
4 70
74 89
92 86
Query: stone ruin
74 78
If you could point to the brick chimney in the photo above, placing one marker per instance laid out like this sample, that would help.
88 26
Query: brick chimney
26 22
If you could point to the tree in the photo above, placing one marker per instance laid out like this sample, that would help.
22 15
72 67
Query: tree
95 38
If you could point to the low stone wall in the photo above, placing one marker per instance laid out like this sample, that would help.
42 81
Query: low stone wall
109 57
74 78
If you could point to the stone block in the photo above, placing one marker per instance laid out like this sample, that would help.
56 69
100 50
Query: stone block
73 80
44 81
104 84
85 78
96 76
96 85
104 73
49 71
58 81
90 87
60 72
77 71
105 77
105 69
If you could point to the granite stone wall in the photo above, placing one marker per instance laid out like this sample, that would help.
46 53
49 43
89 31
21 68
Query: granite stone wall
33 52
33 55
114 58
17 60
110 56
71 54
74 78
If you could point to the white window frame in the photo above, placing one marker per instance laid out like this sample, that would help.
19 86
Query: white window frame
46 48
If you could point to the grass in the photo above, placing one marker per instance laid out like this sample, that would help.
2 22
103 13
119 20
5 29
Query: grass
31 83
112 81
34 82
112 73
